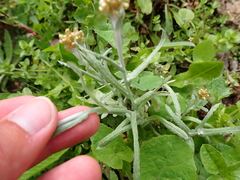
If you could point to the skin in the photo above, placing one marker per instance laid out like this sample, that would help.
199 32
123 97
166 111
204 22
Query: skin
23 146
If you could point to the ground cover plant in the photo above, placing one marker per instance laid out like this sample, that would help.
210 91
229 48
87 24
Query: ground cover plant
150 69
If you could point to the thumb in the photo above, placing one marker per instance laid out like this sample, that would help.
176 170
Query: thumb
23 135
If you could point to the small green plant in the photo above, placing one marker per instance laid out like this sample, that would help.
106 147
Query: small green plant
149 107
8 60
127 95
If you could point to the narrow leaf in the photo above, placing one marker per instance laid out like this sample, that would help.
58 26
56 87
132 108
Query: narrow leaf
8 47
43 165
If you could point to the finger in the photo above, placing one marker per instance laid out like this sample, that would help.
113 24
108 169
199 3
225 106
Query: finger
72 136
81 167
8 105
23 135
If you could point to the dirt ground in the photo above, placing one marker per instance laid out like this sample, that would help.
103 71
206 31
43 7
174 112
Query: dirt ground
232 8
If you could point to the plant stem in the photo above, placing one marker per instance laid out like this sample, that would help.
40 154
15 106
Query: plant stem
117 25
216 131
136 162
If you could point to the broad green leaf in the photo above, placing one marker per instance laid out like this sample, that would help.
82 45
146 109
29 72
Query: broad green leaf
218 88
66 55
51 48
186 15
204 51
233 169
81 14
26 91
167 157
232 157
8 47
212 159
146 81
42 165
183 17
129 33
145 5
107 35
236 141
230 154
114 153
199 74
215 177
57 90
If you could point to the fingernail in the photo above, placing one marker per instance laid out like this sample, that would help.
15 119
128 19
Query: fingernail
35 115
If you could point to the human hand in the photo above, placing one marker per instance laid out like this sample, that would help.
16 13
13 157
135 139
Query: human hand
26 126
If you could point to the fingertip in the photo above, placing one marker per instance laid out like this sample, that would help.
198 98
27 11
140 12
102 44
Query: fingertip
8 105
72 136
24 133
81 167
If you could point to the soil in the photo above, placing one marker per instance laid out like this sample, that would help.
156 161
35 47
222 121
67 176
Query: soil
231 8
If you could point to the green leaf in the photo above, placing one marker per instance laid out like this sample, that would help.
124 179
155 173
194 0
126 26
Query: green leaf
43 165
145 5
204 51
167 157
198 74
212 159
230 154
235 168
179 43
1 53
107 35
214 177
146 81
8 47
57 90
218 88
51 48
81 3
169 20
183 17
81 14
66 55
113 176
114 153
186 15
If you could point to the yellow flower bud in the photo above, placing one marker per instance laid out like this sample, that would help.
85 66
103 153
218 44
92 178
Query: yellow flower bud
112 7
68 39
203 94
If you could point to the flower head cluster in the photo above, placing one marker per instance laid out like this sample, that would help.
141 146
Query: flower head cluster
68 39
112 7
203 94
